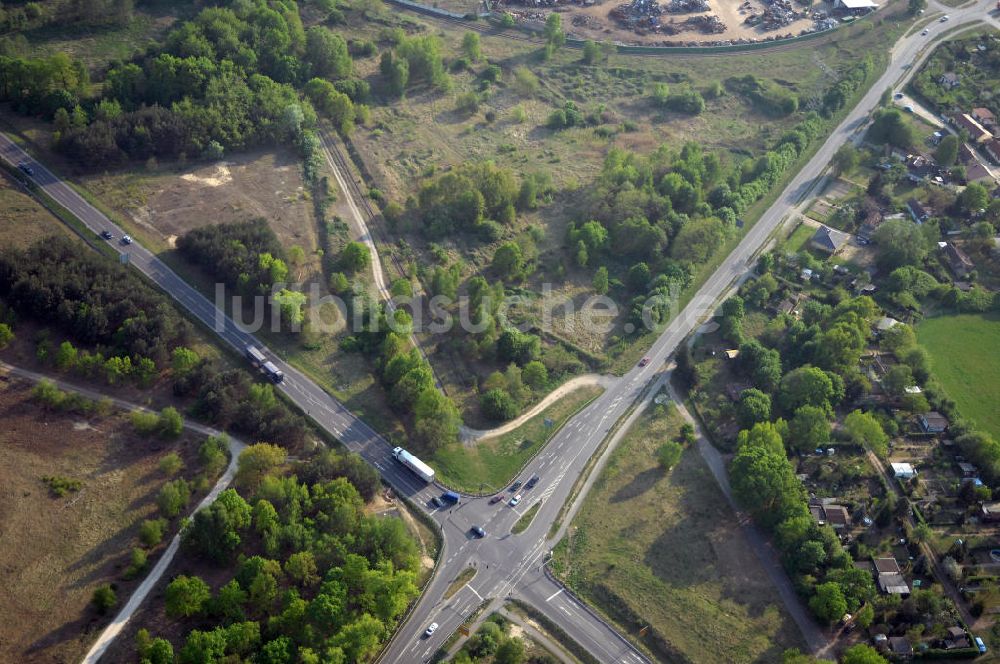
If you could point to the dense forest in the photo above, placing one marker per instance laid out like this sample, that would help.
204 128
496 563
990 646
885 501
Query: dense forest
91 299
226 80
315 579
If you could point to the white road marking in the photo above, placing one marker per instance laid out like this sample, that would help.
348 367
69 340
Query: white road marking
555 594
469 586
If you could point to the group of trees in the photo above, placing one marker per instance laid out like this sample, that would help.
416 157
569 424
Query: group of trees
976 62
413 60
682 98
764 481
768 96
476 198
224 80
314 577
492 643
246 255
229 398
59 282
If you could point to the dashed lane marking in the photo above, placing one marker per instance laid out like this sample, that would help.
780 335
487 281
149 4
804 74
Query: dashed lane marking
555 594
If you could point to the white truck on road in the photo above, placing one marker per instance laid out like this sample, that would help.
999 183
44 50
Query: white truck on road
422 470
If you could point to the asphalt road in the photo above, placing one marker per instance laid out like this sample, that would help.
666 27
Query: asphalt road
507 564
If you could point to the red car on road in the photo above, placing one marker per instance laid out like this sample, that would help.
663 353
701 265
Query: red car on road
495 499
644 361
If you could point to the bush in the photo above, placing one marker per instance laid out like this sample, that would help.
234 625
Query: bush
151 531
171 464
104 598
498 404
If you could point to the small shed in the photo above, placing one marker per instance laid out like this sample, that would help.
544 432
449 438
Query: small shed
903 471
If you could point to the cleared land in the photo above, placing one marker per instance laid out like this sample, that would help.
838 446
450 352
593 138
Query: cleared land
964 360
23 220
663 549
492 462
55 551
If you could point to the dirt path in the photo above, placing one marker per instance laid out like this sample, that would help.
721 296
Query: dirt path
471 436
235 448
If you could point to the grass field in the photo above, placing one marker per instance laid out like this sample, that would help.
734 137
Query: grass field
799 237
662 549
964 359
491 464
23 221
55 551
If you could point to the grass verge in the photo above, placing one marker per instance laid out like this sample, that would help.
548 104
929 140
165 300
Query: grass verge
525 520
463 578
492 463
662 550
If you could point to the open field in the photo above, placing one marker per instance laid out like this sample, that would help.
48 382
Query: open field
55 551
964 360
492 462
23 221
799 237
664 547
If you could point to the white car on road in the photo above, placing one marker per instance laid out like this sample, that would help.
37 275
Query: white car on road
430 630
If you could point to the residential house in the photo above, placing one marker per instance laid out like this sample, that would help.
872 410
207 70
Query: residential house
903 471
949 79
977 132
967 469
918 211
836 515
984 116
992 148
955 637
976 172
990 511
899 646
890 577
829 240
731 354
933 422
884 324
958 261
919 167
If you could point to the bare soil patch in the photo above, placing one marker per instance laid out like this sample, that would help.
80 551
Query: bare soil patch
55 551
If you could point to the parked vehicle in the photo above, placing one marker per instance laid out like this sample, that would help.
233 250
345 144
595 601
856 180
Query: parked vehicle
496 499
450 497
419 468
515 500
515 486
532 482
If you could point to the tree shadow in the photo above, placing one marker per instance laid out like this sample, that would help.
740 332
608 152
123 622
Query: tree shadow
639 485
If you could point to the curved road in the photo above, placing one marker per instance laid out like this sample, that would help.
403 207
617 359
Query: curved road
508 565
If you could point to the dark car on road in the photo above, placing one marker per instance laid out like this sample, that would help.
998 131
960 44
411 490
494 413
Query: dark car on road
436 502
532 482
107 235
478 531
28 170
496 499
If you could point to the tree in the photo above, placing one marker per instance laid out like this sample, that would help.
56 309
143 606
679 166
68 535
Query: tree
600 282
846 159
510 651
104 598
436 420
508 261
828 603
754 406
327 53
159 651
186 596
6 335
809 428
173 497
171 464
808 386
355 257
890 126
862 653
865 616
170 423
497 404
973 198
762 365
471 47
301 568
896 380
864 430
946 152
66 356
535 375
900 242
591 52
151 531
554 35
256 462
669 453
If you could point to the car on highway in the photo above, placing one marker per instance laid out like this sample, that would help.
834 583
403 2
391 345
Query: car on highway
126 239
478 531
107 235
436 502
532 482
515 500
944 18
515 486
26 169
644 361
924 33
433 627
496 499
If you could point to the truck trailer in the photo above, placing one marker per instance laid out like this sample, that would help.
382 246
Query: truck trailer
258 359
421 469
